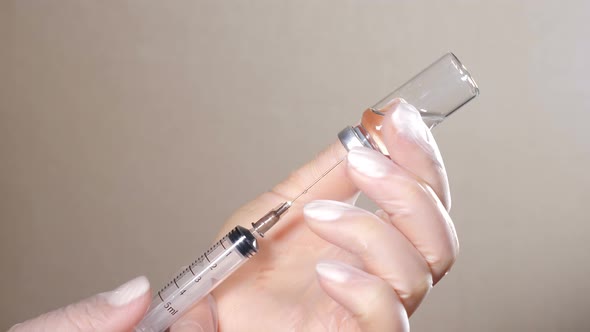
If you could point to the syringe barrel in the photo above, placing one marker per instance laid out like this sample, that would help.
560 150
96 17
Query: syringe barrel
198 279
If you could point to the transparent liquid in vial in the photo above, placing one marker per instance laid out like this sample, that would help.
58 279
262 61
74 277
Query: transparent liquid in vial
372 122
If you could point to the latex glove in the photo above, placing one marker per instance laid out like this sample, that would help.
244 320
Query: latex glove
115 311
343 268
118 310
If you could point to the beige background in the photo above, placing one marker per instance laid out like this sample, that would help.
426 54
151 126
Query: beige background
129 130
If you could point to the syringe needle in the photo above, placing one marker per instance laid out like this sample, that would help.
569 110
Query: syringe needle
262 225
317 180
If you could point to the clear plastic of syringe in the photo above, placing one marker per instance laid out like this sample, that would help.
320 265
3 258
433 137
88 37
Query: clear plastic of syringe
197 280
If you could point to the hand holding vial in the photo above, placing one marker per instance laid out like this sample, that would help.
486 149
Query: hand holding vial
334 266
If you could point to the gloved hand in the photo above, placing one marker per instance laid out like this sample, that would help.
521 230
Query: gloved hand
330 266
327 265
116 311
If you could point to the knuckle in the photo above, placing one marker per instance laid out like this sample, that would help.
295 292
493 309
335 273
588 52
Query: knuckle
442 258
412 187
404 197
84 316
416 289
364 245
379 299
374 298
442 262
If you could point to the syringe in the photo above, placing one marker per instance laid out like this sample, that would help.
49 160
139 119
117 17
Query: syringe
193 283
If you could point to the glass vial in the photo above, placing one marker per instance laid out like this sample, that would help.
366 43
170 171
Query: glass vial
437 92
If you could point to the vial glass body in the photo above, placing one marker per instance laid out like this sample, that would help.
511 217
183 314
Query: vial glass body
437 91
